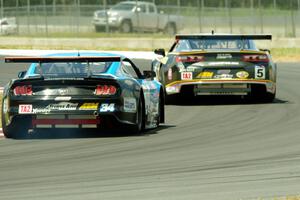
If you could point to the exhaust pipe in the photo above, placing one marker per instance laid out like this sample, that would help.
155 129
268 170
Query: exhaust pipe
96 114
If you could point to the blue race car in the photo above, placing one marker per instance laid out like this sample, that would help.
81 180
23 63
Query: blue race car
87 90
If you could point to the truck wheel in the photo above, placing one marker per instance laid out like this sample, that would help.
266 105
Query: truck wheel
170 29
126 26
99 28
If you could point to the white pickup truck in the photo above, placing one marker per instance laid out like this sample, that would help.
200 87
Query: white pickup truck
131 16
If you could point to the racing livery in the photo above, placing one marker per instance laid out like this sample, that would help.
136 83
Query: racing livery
90 90
208 64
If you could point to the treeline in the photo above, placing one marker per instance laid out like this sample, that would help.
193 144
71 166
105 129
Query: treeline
279 4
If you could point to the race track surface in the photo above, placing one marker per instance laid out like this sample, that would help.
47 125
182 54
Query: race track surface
213 149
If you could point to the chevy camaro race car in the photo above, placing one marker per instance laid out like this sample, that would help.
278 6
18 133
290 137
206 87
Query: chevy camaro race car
91 90
209 64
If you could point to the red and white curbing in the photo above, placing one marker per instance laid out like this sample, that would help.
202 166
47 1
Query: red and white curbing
1 133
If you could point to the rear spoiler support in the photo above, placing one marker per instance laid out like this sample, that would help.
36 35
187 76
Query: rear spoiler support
61 59
225 37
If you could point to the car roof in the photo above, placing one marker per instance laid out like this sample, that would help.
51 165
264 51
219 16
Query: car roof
134 2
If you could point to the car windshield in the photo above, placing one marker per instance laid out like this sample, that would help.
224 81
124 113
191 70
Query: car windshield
71 69
123 6
212 44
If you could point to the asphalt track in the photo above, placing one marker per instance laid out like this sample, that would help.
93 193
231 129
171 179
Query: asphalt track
213 149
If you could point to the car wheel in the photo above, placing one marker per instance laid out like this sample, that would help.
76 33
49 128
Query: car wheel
268 97
126 26
140 118
17 130
99 28
161 108
170 29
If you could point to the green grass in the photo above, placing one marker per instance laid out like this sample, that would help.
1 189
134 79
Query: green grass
286 54
0 109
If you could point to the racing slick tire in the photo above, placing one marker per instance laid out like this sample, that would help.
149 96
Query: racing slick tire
18 129
260 95
138 128
126 26
161 106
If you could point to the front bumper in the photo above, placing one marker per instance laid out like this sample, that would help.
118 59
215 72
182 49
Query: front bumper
102 22
220 86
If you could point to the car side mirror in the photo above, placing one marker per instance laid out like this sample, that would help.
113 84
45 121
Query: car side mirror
21 74
160 52
148 74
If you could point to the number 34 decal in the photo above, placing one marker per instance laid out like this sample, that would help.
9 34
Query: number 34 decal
260 72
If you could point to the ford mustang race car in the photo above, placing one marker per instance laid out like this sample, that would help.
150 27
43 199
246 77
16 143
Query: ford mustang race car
91 90
209 64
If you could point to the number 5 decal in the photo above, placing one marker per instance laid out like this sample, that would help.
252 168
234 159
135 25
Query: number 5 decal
260 72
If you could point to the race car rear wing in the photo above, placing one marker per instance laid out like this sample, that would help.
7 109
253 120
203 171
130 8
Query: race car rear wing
223 37
62 59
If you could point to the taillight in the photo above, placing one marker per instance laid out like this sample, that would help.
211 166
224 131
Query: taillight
189 58
23 90
105 90
255 58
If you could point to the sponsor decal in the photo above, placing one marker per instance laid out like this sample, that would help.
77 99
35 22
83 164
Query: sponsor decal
170 74
128 82
62 106
188 69
223 63
107 107
223 71
171 89
223 76
242 74
89 106
129 104
224 56
186 75
205 75
25 108
63 98
63 91
40 110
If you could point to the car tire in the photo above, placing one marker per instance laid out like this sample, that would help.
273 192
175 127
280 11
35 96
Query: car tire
161 107
268 97
17 130
126 26
140 118
170 29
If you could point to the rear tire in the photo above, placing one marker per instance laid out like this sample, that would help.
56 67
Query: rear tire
260 95
126 27
170 29
140 118
99 28
18 129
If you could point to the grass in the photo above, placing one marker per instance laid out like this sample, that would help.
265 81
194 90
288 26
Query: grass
286 54
0 109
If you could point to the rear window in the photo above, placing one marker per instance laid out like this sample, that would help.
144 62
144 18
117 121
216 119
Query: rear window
71 69
123 6
212 44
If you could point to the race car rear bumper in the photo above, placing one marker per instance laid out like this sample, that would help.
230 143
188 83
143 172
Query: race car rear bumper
220 86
